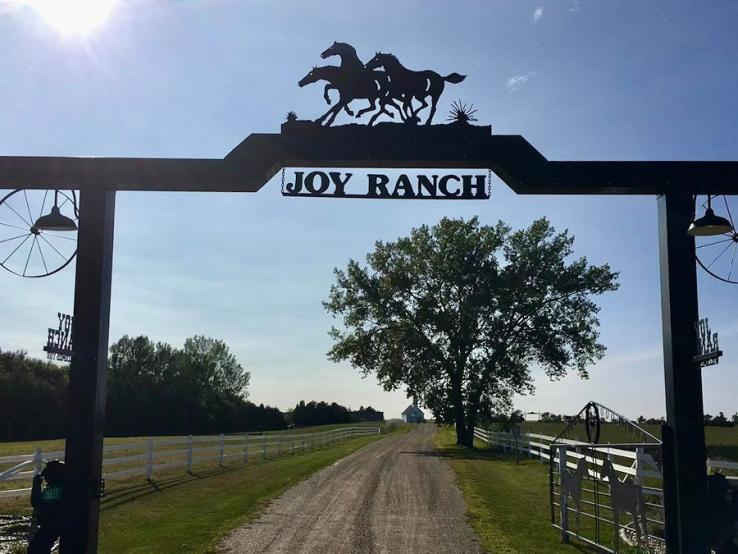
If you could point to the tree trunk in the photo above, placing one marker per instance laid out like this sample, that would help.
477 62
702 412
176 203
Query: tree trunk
461 432
471 422
459 416
471 414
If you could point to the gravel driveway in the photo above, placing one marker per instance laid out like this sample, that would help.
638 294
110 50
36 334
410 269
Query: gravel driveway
394 495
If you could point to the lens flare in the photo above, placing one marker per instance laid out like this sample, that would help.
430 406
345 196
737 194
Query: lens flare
74 17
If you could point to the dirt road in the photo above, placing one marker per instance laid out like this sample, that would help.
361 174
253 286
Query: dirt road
394 495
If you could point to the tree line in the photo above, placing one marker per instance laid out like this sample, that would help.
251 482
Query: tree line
153 389
321 413
201 388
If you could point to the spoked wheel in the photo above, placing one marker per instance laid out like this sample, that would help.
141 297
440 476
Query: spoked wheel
27 247
717 254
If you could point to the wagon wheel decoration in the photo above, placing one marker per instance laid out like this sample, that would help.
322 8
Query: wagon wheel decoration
38 231
716 252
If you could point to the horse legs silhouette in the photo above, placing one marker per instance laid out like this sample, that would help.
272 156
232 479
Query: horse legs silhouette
331 114
372 106
328 87
383 109
434 102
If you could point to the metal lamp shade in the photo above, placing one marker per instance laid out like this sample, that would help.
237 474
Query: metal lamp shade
709 225
55 221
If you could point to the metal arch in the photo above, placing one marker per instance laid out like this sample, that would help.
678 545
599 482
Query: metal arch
252 163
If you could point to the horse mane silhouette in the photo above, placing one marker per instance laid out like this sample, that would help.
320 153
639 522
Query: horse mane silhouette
349 59
407 84
571 484
625 496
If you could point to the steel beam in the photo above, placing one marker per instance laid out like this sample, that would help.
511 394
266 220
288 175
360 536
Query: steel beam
88 369
683 378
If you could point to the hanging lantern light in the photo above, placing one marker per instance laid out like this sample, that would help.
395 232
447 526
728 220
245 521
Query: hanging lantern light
709 224
54 221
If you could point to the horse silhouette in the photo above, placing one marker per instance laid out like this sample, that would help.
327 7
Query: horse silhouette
369 85
351 64
571 484
625 496
409 85
349 59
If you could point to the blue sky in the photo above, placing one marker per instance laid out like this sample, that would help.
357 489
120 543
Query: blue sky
579 79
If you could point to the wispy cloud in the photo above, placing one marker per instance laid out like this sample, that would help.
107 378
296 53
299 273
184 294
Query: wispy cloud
537 14
574 7
517 81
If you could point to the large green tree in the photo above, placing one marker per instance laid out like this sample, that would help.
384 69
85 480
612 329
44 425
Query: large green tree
458 313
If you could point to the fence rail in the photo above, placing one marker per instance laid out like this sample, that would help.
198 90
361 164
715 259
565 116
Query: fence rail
536 445
148 456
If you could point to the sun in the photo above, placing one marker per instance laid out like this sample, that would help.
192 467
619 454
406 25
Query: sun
74 17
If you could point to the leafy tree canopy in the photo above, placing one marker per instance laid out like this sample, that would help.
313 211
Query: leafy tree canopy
459 312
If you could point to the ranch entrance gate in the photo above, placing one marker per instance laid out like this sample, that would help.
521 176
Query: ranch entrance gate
460 145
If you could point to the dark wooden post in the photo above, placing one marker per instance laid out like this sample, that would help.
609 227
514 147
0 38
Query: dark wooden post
87 376
683 377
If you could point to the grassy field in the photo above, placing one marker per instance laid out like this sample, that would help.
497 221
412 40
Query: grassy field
720 442
507 504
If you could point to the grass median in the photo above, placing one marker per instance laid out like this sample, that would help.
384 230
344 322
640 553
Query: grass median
193 512
507 504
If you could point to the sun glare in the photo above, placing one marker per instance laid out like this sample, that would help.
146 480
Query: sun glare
74 17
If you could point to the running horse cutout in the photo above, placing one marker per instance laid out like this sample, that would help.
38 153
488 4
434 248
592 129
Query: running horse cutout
571 484
625 497
352 65
370 85
409 85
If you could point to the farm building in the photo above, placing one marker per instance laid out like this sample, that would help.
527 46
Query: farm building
413 414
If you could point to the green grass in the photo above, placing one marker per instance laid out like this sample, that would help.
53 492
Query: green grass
507 504
192 513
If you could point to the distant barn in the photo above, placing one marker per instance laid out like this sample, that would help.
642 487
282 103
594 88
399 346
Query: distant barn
413 414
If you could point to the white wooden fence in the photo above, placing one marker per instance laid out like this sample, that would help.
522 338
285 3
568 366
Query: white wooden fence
145 457
537 446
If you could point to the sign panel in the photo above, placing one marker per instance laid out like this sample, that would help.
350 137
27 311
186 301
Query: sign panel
339 184
59 340
708 349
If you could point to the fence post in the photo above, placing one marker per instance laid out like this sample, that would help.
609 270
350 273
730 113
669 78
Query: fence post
38 461
149 458
639 465
245 447
563 496
221 445
189 453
